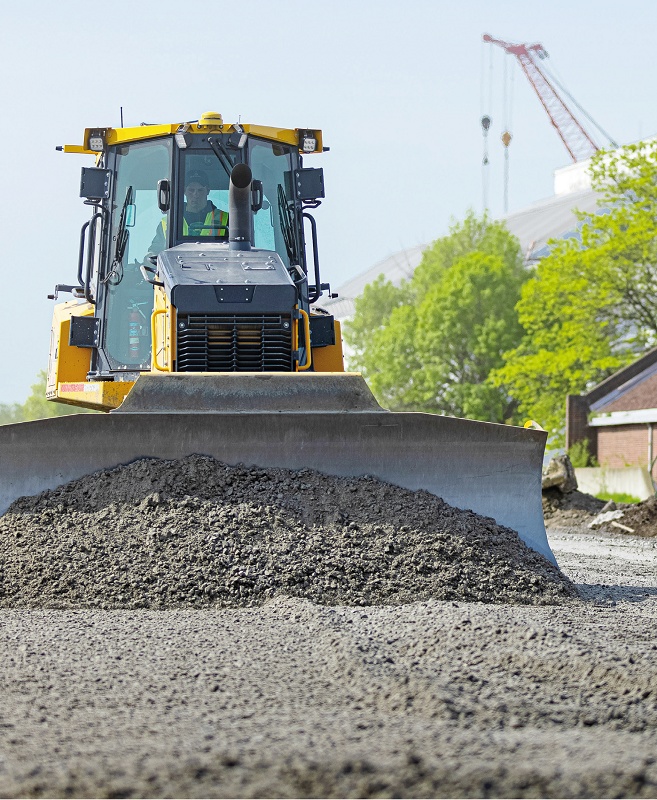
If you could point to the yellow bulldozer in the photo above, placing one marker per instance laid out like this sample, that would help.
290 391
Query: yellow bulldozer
195 324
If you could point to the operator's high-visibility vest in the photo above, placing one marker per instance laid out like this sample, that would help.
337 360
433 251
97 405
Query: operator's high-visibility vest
210 227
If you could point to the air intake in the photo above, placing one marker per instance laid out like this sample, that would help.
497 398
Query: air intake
232 343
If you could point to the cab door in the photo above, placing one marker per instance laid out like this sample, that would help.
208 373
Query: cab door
124 298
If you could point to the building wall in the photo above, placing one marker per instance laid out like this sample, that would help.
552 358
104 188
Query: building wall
625 445
577 423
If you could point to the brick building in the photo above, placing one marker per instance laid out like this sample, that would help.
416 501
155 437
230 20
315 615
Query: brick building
619 417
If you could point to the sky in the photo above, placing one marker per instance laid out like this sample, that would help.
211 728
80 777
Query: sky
398 89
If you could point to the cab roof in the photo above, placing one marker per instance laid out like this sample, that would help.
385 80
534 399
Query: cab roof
210 122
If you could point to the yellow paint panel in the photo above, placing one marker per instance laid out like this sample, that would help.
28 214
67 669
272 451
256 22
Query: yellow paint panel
163 333
69 366
115 136
66 363
78 148
99 395
119 135
330 359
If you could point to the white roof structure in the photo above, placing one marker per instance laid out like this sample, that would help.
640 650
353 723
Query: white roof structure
396 268
553 218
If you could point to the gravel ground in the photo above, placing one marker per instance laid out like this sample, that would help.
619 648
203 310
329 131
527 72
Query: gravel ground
300 699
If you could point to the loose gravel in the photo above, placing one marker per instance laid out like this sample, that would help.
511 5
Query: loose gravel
296 698
196 533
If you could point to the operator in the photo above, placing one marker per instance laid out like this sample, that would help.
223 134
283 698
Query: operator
200 216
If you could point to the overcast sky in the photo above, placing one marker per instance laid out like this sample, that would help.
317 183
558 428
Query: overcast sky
396 87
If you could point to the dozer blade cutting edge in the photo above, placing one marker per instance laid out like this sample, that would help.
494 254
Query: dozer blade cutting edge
324 421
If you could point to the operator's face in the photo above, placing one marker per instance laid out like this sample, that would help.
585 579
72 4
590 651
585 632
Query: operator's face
197 196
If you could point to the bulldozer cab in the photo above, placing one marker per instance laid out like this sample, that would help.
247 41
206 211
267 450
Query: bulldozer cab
166 187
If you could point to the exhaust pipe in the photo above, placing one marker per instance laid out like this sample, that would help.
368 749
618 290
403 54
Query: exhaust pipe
239 208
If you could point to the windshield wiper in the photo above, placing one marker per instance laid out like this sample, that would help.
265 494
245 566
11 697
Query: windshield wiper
286 220
222 154
115 275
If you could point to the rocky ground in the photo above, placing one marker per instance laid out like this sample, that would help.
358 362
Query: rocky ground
279 688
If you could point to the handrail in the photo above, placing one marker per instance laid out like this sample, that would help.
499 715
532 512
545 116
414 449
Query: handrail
90 258
318 286
309 352
83 235
154 362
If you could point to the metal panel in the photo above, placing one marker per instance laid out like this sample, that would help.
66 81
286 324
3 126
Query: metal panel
84 331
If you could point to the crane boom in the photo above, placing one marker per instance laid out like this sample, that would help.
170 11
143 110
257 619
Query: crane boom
576 139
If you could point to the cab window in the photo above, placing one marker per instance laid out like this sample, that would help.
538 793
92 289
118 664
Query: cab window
136 219
270 163
203 198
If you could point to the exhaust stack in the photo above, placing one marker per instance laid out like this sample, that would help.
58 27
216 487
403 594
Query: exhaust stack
239 208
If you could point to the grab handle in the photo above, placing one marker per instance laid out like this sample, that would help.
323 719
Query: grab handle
155 362
309 353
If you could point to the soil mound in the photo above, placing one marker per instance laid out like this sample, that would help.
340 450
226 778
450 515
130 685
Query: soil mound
198 533
641 518
577 510
570 508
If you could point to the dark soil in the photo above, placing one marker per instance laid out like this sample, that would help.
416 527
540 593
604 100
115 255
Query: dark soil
198 533
641 517
570 508
576 510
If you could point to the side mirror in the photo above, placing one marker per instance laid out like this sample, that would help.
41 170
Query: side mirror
95 183
163 195
305 184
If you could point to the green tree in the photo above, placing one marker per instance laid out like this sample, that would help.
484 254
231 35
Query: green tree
36 406
592 306
10 412
430 344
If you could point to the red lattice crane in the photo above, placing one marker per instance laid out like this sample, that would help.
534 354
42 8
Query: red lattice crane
576 139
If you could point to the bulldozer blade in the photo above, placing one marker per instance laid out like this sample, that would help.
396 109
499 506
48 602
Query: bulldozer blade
494 470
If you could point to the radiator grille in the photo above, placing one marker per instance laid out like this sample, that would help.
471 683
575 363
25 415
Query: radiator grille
234 343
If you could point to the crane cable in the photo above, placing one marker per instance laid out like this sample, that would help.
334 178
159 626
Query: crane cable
486 87
506 135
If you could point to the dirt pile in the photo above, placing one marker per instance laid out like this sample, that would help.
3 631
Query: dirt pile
570 508
579 510
640 518
195 532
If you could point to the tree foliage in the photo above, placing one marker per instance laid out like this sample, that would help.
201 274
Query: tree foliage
36 406
592 307
430 344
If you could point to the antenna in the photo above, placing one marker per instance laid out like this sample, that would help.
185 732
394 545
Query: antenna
121 116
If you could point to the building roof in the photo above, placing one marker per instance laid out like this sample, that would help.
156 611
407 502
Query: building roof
631 388
553 218
395 268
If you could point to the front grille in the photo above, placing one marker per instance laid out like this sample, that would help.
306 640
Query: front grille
234 343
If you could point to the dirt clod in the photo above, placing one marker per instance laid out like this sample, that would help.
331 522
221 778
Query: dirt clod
198 533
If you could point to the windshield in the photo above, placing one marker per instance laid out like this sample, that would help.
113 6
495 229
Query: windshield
273 224
203 201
